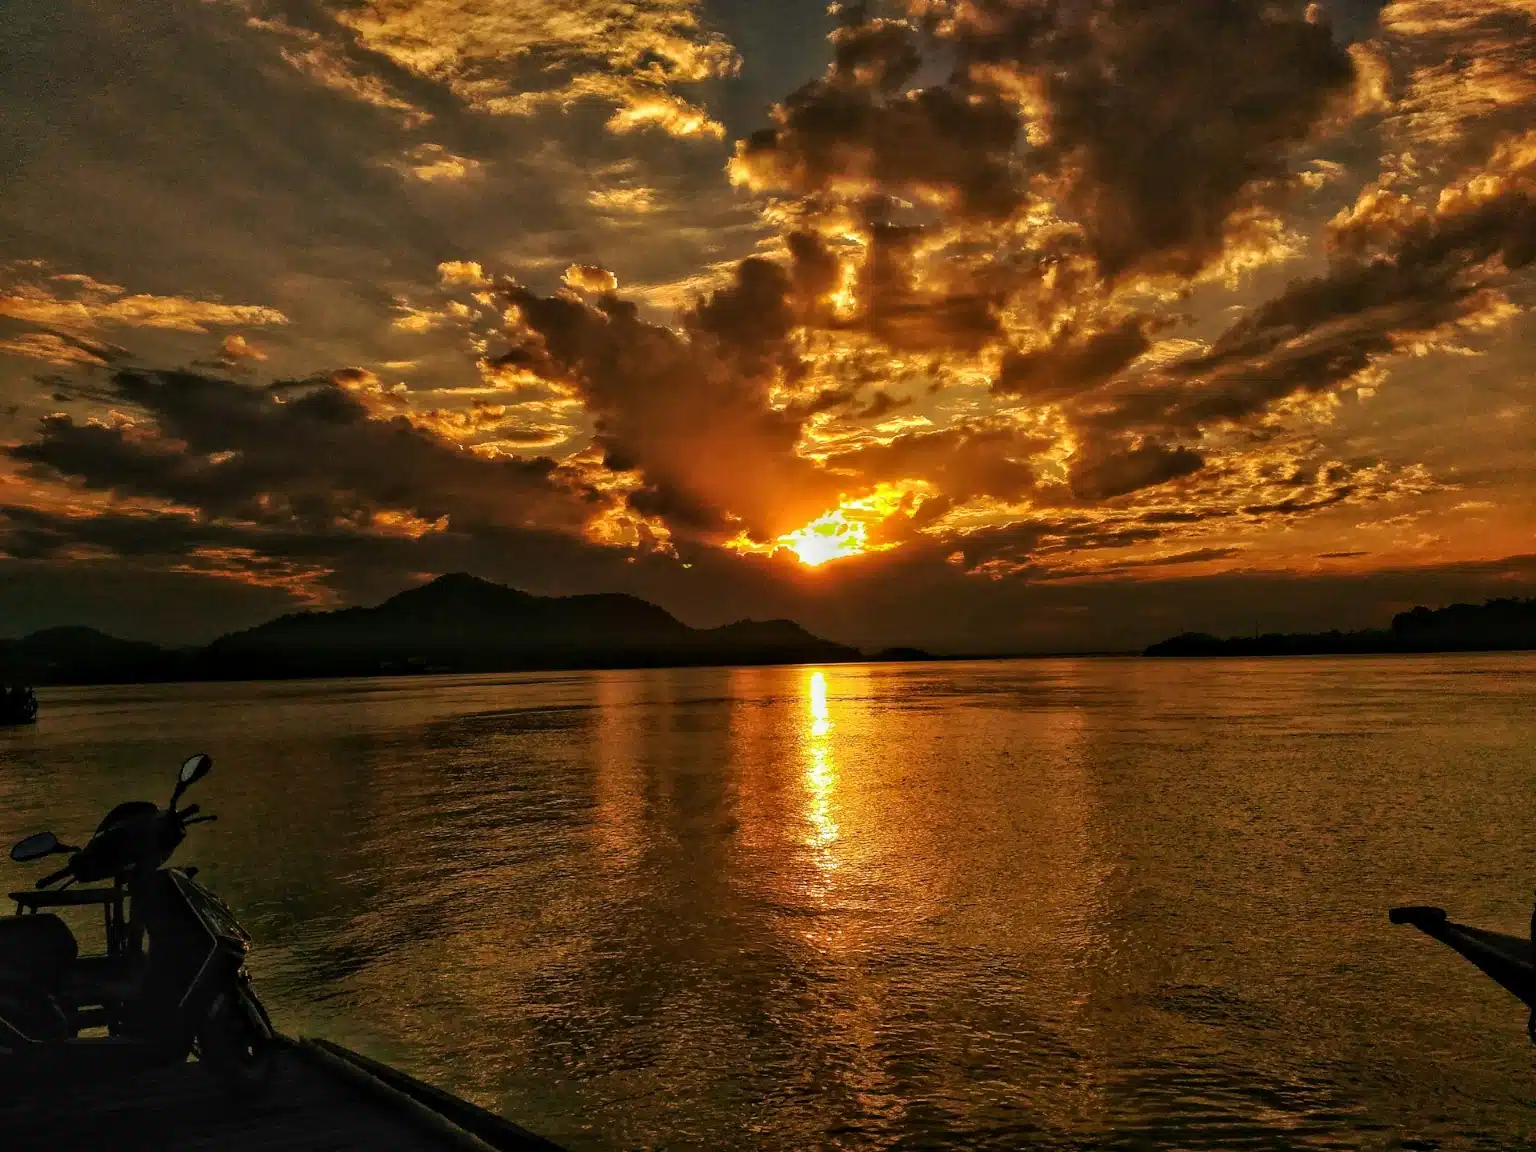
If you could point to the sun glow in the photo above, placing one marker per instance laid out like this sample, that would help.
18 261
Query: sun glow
845 530
845 301
828 537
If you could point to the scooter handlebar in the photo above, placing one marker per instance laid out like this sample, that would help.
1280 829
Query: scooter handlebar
54 878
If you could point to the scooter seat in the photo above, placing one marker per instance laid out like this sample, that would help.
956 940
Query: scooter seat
36 950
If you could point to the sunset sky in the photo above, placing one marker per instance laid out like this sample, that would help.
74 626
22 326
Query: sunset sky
975 324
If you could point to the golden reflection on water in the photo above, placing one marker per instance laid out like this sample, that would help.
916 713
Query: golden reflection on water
992 906
820 775
821 719
617 770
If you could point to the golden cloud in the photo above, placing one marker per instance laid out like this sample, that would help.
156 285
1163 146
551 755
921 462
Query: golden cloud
236 349
462 273
432 163
59 350
626 54
93 303
327 64
333 72
630 201
589 278
1466 70
410 318
999 310
672 114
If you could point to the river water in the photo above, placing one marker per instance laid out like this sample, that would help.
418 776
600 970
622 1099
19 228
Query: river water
1039 904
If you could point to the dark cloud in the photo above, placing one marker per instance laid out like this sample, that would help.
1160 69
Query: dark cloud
1180 516
1071 364
814 268
1297 505
1156 122
1101 472
858 132
913 309
895 293
1034 549
1440 271
881 405
318 455
845 401
688 409
965 462
1192 556
1162 119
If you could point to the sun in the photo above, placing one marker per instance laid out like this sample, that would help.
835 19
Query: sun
829 537
843 532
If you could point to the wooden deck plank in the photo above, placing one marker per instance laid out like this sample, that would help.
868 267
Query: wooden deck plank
180 1109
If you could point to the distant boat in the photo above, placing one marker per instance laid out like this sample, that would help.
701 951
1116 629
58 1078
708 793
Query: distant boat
17 706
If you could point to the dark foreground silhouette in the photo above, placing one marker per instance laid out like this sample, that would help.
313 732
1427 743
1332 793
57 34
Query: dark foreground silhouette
456 623
323 1098
95 1048
172 979
1503 958
18 705
1495 626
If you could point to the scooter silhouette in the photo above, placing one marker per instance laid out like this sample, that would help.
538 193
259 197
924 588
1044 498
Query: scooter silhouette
173 979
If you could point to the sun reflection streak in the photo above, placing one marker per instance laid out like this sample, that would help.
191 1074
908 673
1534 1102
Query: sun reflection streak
821 719
821 777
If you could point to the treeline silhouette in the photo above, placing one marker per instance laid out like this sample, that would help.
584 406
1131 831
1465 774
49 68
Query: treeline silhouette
456 623
1496 625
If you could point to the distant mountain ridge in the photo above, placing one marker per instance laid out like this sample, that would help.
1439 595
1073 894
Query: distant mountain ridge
72 654
455 623
1503 625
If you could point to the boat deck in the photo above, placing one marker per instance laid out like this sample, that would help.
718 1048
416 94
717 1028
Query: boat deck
323 1098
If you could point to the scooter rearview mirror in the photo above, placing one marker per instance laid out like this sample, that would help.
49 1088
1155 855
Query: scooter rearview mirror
35 847
195 768
192 770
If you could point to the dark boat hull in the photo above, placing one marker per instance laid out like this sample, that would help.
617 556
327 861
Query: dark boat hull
1504 958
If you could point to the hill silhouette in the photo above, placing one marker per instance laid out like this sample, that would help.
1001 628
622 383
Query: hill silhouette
1494 626
455 623
77 655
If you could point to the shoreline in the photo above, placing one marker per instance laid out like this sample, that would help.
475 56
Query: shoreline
957 658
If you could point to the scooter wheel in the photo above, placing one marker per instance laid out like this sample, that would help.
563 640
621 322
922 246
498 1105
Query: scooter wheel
235 1048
